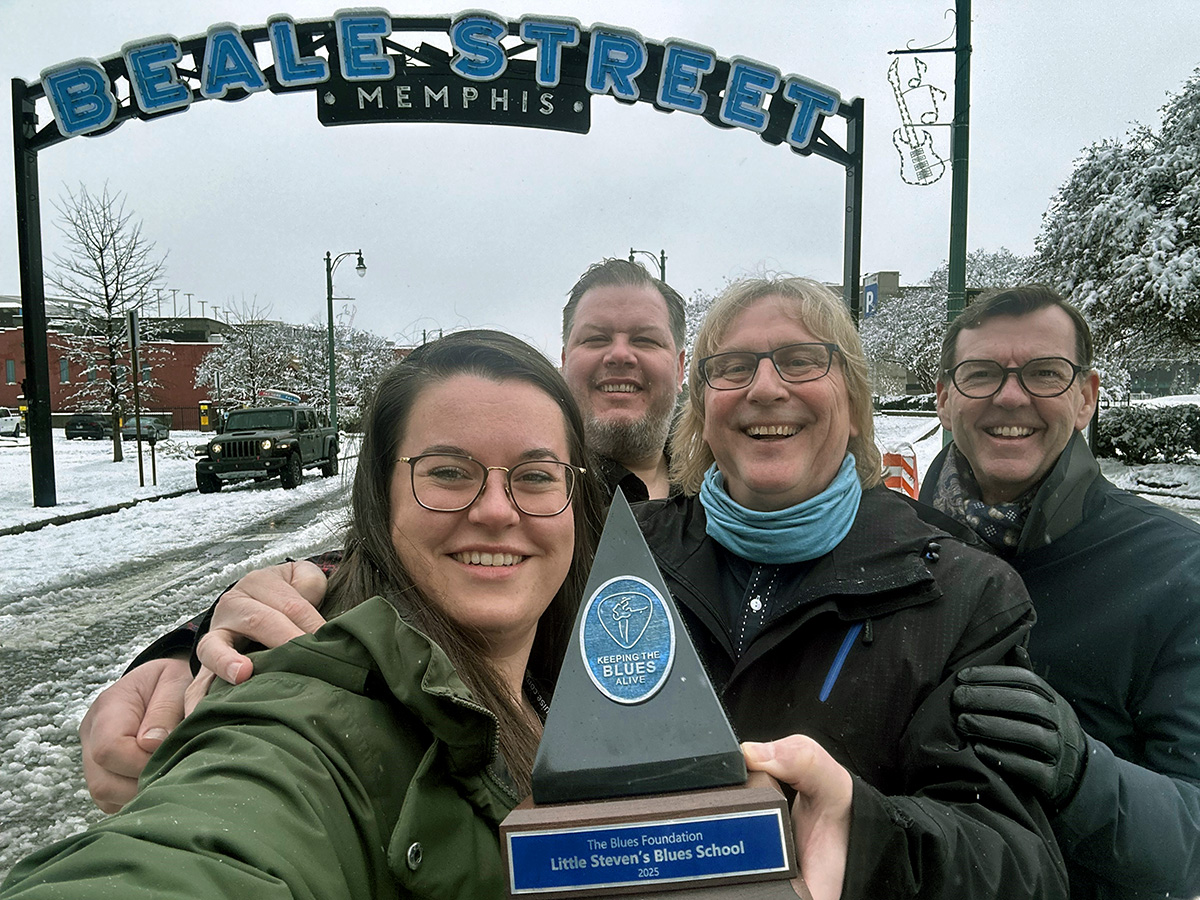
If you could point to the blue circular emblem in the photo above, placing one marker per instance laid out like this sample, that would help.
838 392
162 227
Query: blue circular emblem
627 639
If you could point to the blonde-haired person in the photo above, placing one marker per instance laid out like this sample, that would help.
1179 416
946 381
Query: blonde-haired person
824 315
826 608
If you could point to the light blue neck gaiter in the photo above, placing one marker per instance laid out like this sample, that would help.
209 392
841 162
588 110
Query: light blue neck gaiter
805 531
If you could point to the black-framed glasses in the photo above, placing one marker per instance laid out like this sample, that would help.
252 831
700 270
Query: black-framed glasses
795 363
449 482
1046 376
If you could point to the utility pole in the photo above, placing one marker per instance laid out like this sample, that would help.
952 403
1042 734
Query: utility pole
959 151
201 302
189 296
174 311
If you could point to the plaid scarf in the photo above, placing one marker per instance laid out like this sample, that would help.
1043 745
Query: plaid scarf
957 495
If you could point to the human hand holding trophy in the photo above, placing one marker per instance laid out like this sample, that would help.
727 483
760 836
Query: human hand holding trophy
640 787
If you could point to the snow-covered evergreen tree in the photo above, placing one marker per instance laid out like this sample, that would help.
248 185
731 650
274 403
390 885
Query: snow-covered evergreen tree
1121 238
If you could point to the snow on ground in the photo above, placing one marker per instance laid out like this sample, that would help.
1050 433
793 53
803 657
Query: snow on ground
87 478
923 434
78 600
1174 400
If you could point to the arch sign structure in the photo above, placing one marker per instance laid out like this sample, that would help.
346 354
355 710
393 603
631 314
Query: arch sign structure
365 65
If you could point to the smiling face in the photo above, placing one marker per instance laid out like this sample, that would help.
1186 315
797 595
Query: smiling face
491 569
1013 439
623 369
776 443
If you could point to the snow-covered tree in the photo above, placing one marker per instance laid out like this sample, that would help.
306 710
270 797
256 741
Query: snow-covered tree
1121 238
259 354
906 333
907 330
988 270
111 268
695 308
256 354
363 357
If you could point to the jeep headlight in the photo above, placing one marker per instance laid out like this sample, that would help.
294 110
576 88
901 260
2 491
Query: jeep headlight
266 444
216 449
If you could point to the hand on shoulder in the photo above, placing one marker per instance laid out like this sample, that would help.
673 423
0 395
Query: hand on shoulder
269 607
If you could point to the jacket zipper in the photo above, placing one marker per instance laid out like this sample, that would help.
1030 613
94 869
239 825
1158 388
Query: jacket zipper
496 781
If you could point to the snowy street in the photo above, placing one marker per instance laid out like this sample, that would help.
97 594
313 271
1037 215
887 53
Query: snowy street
77 601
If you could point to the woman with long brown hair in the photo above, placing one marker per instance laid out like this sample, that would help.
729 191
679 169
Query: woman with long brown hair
377 757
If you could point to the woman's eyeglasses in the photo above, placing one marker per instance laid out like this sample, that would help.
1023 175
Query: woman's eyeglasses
448 482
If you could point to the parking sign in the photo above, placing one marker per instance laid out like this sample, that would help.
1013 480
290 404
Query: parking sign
870 298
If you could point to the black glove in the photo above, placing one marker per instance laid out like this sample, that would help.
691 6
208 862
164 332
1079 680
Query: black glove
1021 727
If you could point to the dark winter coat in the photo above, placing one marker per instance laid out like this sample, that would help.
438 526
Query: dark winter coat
612 475
1115 580
353 764
858 650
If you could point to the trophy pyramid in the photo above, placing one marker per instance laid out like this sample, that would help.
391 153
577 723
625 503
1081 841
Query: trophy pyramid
639 785
634 712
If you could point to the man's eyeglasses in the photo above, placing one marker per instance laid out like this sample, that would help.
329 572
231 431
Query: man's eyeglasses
1047 376
448 482
795 363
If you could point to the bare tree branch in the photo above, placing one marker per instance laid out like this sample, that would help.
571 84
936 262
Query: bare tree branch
109 268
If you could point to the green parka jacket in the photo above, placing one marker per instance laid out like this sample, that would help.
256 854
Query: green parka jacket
354 764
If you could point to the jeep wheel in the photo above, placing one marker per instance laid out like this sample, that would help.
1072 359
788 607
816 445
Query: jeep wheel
330 466
292 473
207 482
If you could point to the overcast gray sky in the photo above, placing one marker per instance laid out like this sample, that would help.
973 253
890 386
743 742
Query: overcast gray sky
485 226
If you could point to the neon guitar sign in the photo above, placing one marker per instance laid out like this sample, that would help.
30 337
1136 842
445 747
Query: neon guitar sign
919 162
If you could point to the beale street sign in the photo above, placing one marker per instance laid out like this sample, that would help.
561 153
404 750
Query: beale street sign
366 66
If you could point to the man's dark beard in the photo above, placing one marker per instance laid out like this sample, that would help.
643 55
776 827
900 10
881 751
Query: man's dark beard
628 441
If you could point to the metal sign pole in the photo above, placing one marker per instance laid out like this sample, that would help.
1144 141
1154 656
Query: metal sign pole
134 342
852 241
33 297
959 148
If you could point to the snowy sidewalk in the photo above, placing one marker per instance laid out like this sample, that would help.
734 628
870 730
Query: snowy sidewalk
86 479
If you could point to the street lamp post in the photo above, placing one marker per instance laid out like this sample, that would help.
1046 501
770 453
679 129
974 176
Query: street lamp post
331 263
660 261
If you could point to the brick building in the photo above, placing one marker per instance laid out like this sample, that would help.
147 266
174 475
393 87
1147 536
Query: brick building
183 343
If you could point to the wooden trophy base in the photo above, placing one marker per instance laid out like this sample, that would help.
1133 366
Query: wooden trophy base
730 842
